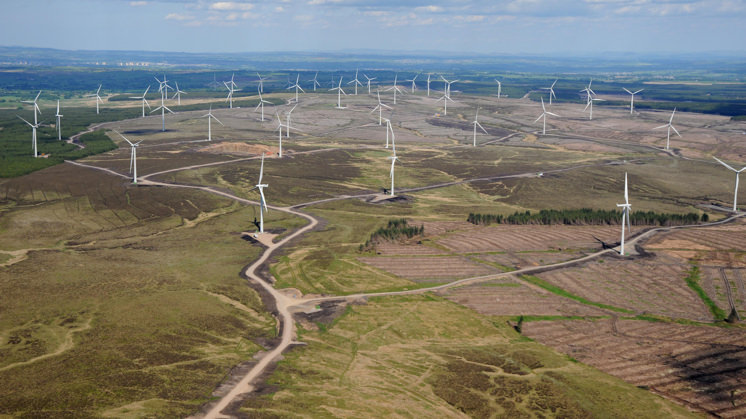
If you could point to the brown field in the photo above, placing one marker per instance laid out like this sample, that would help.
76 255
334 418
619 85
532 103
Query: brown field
529 237
517 260
398 249
702 367
426 267
511 298
652 287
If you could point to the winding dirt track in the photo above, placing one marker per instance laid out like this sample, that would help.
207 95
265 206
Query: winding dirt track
285 303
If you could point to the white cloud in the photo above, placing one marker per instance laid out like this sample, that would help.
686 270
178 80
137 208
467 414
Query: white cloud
279 9
138 3
179 17
230 5
430 8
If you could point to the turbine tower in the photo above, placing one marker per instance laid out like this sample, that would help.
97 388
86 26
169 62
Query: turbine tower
414 86
356 82
164 86
369 80
297 87
178 93
395 88
447 85
590 104
163 108
33 126
287 121
261 82
210 117
428 84
670 127
231 86
261 104
389 129
380 107
280 125
477 124
551 91
499 88
632 99
445 98
589 93
735 192
262 201
58 115
98 98
625 214
144 101
315 81
393 159
133 156
340 92
543 115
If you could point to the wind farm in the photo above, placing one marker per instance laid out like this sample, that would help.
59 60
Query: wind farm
411 258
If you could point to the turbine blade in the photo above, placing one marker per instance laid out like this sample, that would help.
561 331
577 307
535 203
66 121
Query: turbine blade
721 162
674 130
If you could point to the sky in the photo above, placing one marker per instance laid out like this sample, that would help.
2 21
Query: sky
579 27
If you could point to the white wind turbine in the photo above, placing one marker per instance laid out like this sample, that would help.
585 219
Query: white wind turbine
477 124
590 104
287 121
544 114
369 80
178 93
499 88
35 107
163 86
356 82
262 201
315 81
428 84
33 126
261 82
144 101
670 127
58 115
632 99
98 98
389 129
210 117
133 156
393 158
261 104
163 108
340 92
735 192
589 93
380 107
445 98
297 87
280 125
551 91
414 86
447 85
395 88
625 214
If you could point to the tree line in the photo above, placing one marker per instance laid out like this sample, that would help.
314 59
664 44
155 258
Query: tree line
587 216
394 230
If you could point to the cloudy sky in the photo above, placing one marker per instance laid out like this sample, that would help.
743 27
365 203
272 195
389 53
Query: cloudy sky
483 26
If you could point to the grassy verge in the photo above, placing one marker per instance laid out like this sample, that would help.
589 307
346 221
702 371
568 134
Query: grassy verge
692 280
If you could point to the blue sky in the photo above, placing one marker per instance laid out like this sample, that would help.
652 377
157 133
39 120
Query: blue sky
483 26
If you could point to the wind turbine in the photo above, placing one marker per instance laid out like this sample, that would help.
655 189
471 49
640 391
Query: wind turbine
445 98
280 125
393 158
33 126
389 128
261 82
551 91
261 103
447 85
59 121
178 93
133 156
262 201
144 101
735 192
315 81
210 117
163 85
296 86
287 121
414 86
632 99
369 80
625 214
380 107
163 108
428 84
356 82
544 114
499 88
395 88
35 106
589 93
340 92
98 98
477 124
231 86
590 104
670 127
